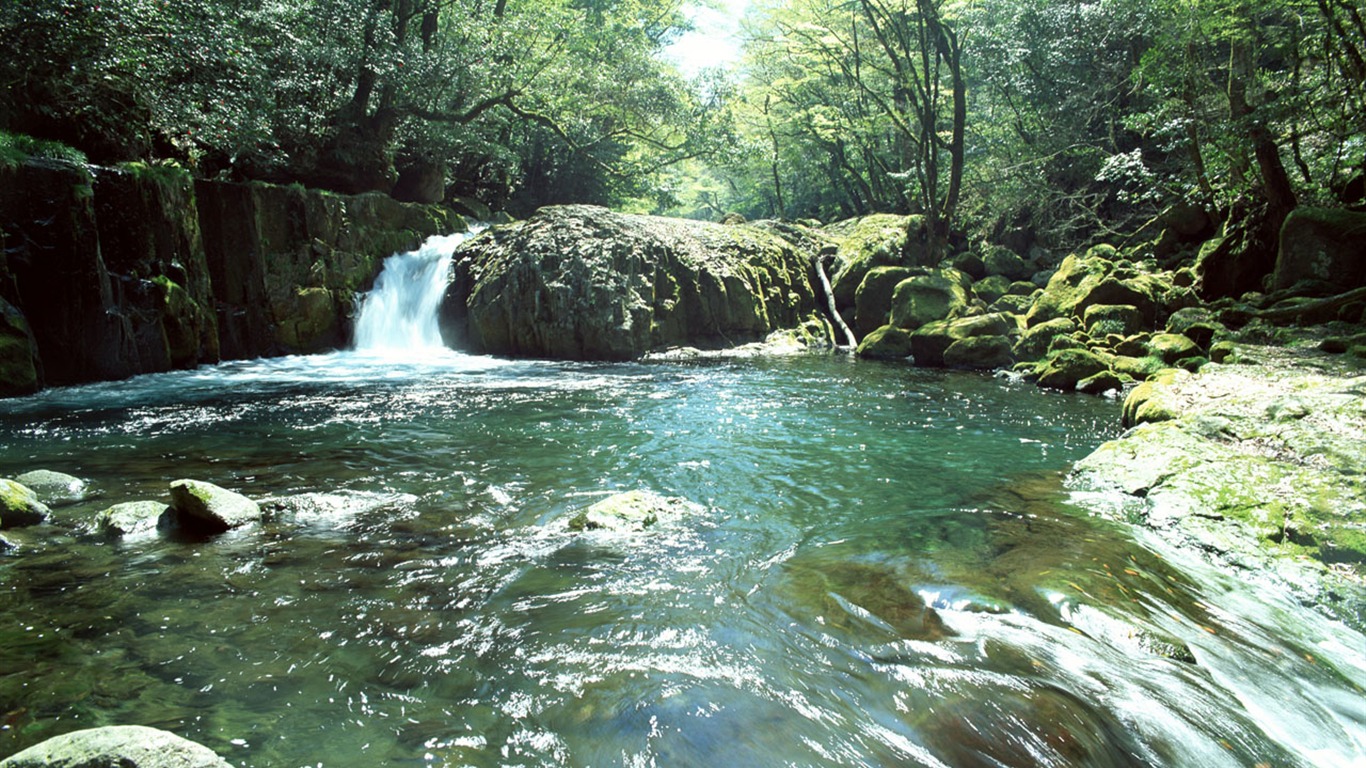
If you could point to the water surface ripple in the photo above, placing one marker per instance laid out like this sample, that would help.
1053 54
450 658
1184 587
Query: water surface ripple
417 599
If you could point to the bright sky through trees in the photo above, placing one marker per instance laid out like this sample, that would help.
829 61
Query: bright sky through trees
715 39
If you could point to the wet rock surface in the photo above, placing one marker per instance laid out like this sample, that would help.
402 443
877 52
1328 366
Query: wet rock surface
1257 465
122 746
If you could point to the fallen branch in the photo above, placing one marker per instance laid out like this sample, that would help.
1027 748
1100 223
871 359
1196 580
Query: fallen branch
850 340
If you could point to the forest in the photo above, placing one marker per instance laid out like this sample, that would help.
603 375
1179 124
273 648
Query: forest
1019 122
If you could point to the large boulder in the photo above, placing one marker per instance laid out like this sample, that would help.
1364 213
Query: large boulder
19 506
922 299
582 282
117 746
870 242
930 343
1067 368
1322 244
1095 278
873 300
204 508
886 343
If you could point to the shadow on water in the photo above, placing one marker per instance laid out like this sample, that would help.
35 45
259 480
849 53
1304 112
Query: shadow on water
885 570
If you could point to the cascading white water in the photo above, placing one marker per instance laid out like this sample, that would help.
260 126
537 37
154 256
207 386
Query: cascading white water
400 313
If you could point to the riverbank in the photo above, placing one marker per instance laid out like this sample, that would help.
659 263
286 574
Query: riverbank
1256 463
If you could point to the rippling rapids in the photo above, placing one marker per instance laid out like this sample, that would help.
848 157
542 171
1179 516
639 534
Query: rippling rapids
416 597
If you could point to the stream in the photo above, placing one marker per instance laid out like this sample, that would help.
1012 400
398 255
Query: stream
884 569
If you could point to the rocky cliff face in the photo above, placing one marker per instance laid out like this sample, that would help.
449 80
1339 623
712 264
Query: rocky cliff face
106 273
581 282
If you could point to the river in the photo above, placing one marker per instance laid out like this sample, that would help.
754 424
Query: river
416 597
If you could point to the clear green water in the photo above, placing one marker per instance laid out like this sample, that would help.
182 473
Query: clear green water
416 598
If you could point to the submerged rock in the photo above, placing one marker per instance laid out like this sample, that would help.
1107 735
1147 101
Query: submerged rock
55 488
117 746
856 596
204 508
19 506
584 283
631 512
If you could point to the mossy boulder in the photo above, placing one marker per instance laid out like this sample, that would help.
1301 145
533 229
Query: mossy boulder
921 299
585 283
879 240
1101 383
1065 369
886 343
1084 281
982 353
1035 342
1101 320
1003 262
19 506
1153 401
1322 244
203 508
991 288
632 512
873 300
1172 347
931 342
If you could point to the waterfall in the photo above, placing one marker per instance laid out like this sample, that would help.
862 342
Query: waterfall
399 313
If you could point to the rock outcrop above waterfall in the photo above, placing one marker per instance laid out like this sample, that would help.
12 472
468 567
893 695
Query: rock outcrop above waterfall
117 746
585 283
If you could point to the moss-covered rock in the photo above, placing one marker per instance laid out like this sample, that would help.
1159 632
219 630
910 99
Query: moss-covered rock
1321 244
931 342
983 353
1257 466
19 506
1151 401
922 299
886 343
1101 383
203 508
1003 262
989 289
1101 320
1035 342
582 282
873 300
1172 347
1083 281
1065 369
872 241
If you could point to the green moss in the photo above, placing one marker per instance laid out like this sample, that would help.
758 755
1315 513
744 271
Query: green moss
15 148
